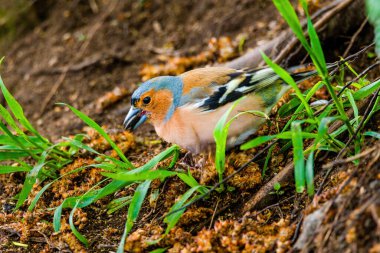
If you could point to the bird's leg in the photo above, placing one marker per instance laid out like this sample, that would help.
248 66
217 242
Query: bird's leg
188 159
211 156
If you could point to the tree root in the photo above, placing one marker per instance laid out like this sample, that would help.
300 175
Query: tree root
329 21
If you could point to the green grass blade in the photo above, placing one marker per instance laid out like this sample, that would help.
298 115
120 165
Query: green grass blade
257 142
7 148
145 175
73 149
252 112
30 180
299 109
220 137
4 169
18 112
10 121
324 126
315 43
190 181
116 162
374 109
353 106
7 140
78 235
290 134
287 12
373 12
267 158
12 155
91 197
372 134
286 146
136 202
298 158
107 166
316 47
288 108
57 218
289 80
366 90
80 145
326 112
310 174
101 131
350 68
297 30
133 211
16 140
39 194
172 219
172 151
71 217
117 204
159 250
342 129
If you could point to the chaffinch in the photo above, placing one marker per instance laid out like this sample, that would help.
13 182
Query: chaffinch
184 109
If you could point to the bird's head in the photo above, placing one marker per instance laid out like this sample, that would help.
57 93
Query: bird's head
156 99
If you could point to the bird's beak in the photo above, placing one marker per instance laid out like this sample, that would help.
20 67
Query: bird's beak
134 118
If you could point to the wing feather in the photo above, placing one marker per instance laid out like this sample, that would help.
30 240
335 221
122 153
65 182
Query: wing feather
226 85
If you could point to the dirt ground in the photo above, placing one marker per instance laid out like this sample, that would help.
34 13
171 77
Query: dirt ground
117 41
90 54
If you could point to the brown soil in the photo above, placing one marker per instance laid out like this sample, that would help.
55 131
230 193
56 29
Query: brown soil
92 56
118 40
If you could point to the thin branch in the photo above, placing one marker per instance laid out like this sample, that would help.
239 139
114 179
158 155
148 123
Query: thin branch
354 37
363 73
318 25
366 113
349 159
297 231
213 215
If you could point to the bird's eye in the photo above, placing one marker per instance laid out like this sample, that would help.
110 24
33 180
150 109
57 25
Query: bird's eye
146 100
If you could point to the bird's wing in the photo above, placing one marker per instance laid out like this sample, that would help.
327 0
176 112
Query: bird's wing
200 84
210 88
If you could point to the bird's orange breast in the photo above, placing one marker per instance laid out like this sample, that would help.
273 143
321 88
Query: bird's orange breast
193 129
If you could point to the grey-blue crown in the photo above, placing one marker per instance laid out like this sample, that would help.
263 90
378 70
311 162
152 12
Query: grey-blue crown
172 83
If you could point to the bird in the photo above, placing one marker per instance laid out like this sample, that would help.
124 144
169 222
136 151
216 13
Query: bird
185 109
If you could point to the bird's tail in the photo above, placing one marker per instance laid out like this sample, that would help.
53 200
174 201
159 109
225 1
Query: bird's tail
302 72
266 83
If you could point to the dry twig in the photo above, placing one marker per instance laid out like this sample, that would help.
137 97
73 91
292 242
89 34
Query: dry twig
318 25
354 37
361 124
253 58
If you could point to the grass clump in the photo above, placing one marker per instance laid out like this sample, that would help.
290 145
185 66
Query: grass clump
28 151
309 122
